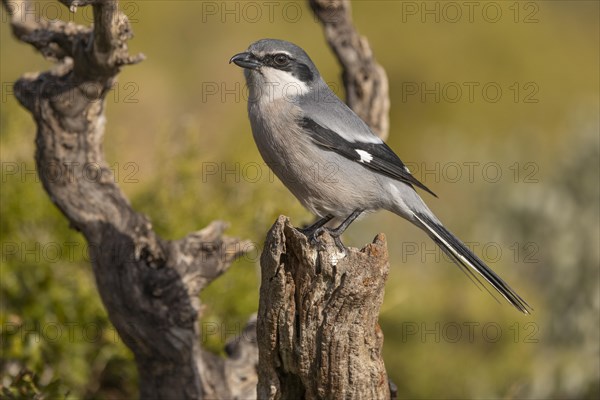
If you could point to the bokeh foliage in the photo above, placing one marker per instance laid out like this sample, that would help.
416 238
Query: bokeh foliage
180 144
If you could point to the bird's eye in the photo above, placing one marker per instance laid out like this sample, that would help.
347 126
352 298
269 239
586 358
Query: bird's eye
281 60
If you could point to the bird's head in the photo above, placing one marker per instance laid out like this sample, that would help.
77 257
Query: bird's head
276 68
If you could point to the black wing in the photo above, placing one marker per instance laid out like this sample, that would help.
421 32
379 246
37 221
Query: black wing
377 157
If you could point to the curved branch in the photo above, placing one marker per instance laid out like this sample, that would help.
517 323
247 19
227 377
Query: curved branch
149 286
364 79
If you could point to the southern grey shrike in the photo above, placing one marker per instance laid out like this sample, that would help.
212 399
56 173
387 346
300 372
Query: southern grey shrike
330 159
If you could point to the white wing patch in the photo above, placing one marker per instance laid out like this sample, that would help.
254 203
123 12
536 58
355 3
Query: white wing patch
365 157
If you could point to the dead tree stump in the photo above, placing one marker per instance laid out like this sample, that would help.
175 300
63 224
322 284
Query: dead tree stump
317 329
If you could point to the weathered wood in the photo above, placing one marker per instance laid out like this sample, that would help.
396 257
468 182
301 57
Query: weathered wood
318 335
149 286
365 81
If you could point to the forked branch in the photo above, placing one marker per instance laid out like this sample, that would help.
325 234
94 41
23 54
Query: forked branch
149 285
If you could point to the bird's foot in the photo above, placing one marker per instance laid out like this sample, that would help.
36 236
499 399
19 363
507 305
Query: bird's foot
336 234
313 236
338 242
313 231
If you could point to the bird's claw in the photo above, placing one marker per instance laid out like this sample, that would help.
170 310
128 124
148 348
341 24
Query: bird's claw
313 237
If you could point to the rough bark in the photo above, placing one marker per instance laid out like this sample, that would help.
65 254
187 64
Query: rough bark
318 334
365 81
149 285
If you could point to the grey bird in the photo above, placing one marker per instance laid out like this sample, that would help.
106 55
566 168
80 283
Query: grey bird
330 159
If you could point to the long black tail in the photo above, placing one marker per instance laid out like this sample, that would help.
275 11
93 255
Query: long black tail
469 262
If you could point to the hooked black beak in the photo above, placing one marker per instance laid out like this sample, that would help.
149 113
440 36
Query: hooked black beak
245 60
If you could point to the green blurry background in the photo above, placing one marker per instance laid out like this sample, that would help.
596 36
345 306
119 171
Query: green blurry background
516 172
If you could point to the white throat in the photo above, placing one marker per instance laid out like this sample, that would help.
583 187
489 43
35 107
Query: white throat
274 84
